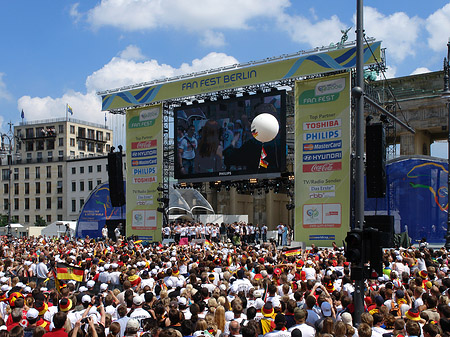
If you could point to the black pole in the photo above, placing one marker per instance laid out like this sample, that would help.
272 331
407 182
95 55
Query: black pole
446 96
358 93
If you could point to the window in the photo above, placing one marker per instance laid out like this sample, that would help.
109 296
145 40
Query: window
29 146
90 185
59 187
5 204
49 187
59 217
27 203
91 133
38 172
82 169
5 188
16 173
29 158
27 218
39 157
72 141
50 156
81 132
74 205
81 186
72 154
49 171
49 202
90 147
27 188
99 135
81 145
16 204
74 170
90 168
27 173
74 186
38 203
72 129
99 181
99 148
40 145
60 141
49 218
99 168
81 202
60 171
108 147
60 128
60 203
5 174
50 144
108 136
38 187
16 188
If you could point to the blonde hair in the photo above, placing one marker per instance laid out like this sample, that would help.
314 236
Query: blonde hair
219 317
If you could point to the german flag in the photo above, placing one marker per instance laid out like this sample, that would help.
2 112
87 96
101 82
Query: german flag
292 252
66 272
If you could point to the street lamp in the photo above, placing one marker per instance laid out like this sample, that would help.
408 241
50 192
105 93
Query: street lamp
8 151
446 96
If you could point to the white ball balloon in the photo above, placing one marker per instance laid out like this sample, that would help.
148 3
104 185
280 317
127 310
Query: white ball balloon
265 127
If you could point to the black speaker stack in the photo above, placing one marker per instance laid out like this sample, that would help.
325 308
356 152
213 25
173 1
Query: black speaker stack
115 179
375 160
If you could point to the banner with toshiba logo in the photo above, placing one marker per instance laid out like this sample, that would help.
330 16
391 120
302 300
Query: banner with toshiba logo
322 159
144 173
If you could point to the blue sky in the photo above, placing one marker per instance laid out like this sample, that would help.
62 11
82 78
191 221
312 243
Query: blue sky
58 52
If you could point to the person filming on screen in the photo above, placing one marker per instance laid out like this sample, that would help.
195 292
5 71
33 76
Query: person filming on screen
186 151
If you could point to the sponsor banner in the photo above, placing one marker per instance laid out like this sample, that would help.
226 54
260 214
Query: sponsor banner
322 146
240 76
144 143
322 164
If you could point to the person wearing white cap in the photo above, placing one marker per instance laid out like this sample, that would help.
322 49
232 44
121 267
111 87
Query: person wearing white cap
138 313
104 276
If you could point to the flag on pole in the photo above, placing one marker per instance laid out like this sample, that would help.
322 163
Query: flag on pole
69 109
22 115
262 162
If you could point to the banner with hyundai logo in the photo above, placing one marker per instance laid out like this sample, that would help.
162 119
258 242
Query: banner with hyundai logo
322 159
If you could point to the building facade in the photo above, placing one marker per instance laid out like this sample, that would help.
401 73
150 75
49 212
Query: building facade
41 165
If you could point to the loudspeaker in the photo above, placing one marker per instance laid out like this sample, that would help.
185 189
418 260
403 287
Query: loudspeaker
385 224
375 161
115 178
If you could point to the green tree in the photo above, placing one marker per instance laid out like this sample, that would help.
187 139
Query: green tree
3 220
40 222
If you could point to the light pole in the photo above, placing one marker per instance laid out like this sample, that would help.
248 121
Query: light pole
446 96
10 137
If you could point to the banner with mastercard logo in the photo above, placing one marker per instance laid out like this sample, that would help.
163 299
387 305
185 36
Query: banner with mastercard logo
322 159
144 172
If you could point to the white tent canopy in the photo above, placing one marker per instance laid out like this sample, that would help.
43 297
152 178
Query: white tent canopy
58 228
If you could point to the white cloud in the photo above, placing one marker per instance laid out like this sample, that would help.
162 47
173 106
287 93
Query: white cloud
132 52
390 72
213 39
316 34
195 15
438 26
120 71
4 93
74 13
421 70
398 31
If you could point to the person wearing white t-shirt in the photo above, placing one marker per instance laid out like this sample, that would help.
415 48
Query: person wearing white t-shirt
300 323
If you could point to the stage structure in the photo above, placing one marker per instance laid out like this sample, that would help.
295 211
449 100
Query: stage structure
214 100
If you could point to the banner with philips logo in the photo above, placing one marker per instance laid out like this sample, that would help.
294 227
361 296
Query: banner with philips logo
144 172
322 159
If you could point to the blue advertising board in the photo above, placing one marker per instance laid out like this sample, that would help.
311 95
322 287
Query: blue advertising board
96 211
417 197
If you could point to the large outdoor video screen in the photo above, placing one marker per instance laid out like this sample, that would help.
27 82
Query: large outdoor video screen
214 141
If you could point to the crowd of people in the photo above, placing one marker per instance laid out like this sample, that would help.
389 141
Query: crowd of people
214 289
236 233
